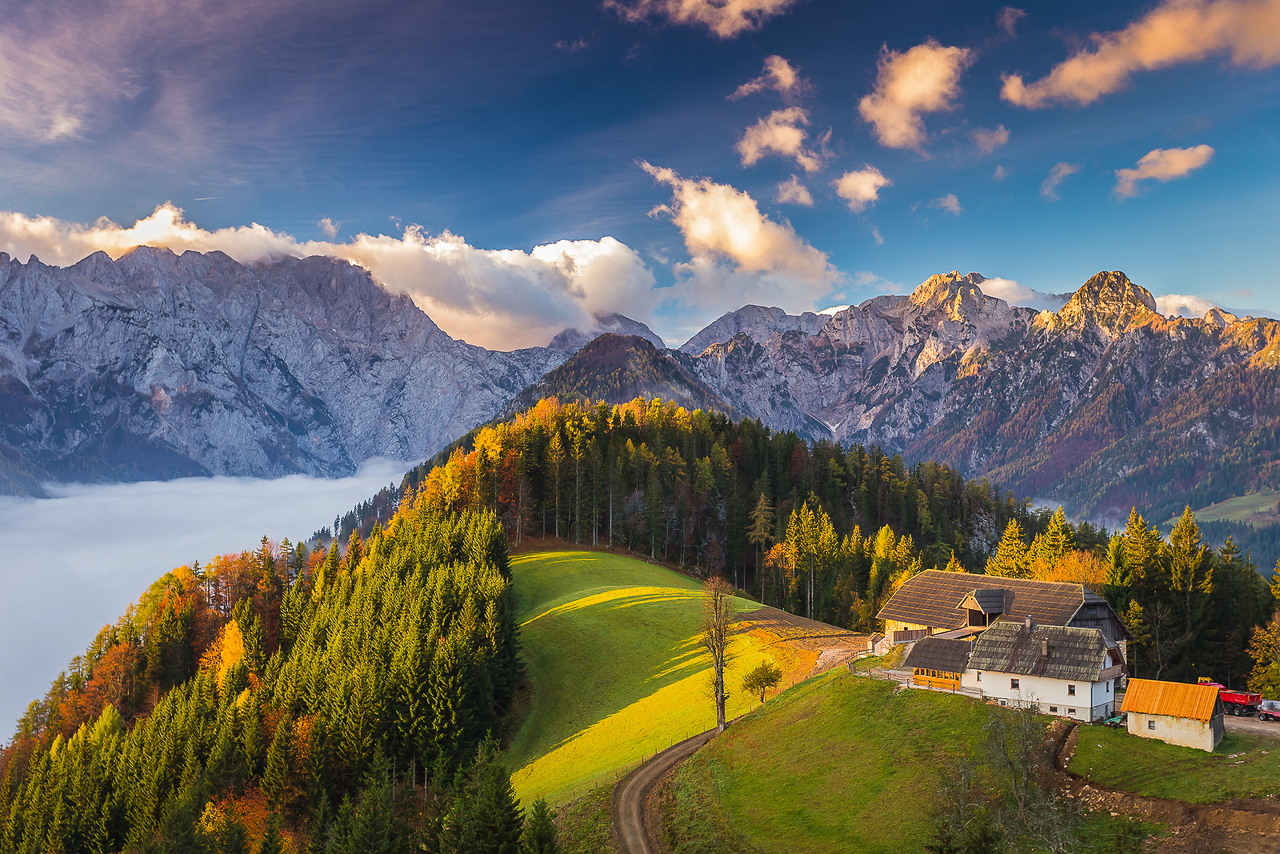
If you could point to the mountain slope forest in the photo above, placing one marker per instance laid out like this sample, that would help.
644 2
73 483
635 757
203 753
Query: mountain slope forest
303 702
830 533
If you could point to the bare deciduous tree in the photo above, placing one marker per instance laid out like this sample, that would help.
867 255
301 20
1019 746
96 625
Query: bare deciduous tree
717 613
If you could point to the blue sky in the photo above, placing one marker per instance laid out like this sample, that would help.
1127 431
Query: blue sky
483 127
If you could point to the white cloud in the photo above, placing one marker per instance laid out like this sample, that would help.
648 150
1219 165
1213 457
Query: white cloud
737 254
988 140
1000 173
1162 164
99 547
778 75
1008 20
329 227
1015 294
782 133
875 233
924 79
1176 31
1058 174
501 299
948 203
1183 305
792 192
861 187
725 18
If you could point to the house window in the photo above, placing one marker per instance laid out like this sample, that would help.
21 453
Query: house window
1053 710
979 675
1108 686
1071 711
1071 690
1013 684
1002 702
1151 724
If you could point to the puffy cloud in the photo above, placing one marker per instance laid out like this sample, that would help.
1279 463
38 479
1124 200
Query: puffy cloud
988 140
778 75
1015 294
948 203
1008 20
781 132
725 18
1183 305
737 254
501 299
329 227
861 187
1162 164
792 192
1174 32
1058 174
924 79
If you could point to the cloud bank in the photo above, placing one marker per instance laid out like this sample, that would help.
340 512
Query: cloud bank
502 299
1162 164
725 18
861 187
74 562
1016 294
924 79
1176 31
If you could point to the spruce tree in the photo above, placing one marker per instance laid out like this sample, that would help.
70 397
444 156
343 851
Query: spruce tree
539 830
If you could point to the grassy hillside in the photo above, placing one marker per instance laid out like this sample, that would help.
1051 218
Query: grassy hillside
839 764
1256 508
610 644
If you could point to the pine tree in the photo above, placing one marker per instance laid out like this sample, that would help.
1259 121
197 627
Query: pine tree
539 830
1010 559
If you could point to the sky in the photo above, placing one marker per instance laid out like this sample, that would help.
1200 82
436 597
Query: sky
126 536
519 167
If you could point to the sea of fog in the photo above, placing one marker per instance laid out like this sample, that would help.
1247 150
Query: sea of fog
74 562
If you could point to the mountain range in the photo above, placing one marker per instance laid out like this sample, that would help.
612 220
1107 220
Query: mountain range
156 365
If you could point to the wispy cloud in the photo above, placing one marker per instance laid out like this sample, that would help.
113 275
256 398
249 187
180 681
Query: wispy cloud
1008 20
499 298
1183 305
1162 164
1176 31
1000 173
948 203
988 140
724 18
778 75
329 227
782 133
861 187
792 192
1059 173
924 79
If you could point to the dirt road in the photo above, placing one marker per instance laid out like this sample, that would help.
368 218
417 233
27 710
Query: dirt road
631 792
1252 726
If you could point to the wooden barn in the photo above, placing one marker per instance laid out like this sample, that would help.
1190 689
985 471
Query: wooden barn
1061 670
938 663
961 604
1175 712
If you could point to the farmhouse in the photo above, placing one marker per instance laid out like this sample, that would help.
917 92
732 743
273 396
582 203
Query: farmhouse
1175 712
960 604
1062 670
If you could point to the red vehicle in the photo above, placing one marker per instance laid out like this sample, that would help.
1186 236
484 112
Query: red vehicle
1270 710
1239 703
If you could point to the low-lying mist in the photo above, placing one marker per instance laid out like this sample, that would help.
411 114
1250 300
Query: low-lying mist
74 562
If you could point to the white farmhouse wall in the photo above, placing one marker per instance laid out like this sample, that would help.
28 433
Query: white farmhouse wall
1186 732
1092 700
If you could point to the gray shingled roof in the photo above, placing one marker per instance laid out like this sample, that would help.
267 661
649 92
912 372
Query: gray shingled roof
949 656
933 598
1009 647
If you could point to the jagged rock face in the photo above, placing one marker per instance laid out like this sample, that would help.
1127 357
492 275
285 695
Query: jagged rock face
570 341
158 365
1056 404
757 323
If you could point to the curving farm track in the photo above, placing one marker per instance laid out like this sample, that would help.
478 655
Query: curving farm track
632 791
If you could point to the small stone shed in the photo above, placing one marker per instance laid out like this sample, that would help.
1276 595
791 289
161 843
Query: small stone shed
1175 712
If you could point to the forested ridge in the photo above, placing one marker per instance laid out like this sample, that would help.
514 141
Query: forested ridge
275 700
831 533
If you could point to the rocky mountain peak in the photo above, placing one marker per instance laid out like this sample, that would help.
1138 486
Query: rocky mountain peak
942 288
571 341
1110 301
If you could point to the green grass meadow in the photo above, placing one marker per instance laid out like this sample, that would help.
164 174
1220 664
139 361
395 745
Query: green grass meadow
1241 508
611 647
1243 766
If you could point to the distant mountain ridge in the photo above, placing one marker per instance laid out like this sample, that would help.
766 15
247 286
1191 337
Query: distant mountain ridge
157 365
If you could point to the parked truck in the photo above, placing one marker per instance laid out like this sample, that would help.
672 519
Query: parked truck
1238 703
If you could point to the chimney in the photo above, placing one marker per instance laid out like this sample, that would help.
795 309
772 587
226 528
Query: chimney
1044 648
1028 622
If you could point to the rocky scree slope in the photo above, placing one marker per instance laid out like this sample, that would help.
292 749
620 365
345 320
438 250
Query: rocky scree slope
1101 405
157 365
